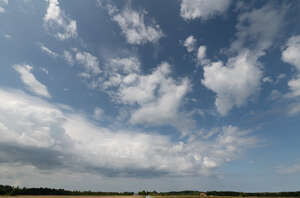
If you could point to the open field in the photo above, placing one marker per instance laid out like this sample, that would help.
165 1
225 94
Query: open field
197 196
72 196
120 196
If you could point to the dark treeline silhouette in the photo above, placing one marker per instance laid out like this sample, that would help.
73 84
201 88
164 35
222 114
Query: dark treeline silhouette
223 193
256 194
186 192
11 190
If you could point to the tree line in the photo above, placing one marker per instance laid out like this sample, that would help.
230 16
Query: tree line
11 190
254 194
224 193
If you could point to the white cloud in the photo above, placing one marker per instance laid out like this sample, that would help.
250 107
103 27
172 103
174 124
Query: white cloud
126 65
134 27
203 9
30 81
70 141
294 85
257 28
201 55
158 96
206 134
5 2
55 18
290 55
233 83
2 10
267 79
165 108
44 70
89 62
154 99
241 78
291 52
190 43
68 57
48 51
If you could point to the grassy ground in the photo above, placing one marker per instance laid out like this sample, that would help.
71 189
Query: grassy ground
76 196
198 196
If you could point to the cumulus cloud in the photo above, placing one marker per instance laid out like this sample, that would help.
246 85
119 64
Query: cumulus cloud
240 78
203 9
70 141
190 43
233 83
291 55
118 71
134 26
56 19
159 98
155 98
30 81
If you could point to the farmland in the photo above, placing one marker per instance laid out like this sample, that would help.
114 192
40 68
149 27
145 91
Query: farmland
72 196
122 196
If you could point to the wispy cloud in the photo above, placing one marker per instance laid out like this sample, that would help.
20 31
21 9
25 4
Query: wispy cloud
48 51
30 81
89 62
291 169
133 25
203 9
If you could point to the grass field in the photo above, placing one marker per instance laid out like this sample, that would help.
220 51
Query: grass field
133 196
197 196
73 196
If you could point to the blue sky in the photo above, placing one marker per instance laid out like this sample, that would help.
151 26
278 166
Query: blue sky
165 95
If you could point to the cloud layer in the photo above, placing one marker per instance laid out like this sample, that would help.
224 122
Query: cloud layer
67 139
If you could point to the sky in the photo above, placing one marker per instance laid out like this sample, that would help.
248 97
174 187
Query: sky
150 95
